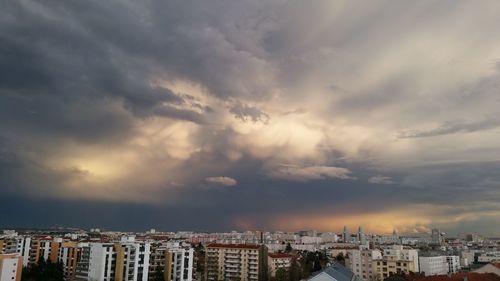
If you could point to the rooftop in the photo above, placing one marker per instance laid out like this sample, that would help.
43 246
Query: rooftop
471 276
233 246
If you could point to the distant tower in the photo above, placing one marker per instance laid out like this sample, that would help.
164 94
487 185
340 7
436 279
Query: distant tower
346 235
395 237
436 237
361 236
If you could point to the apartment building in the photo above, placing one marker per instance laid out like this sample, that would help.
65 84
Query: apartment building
127 261
360 261
433 265
41 248
11 267
395 259
83 264
489 257
175 260
276 261
453 264
243 262
68 253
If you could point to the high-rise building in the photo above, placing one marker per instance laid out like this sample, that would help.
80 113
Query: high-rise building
436 237
68 253
82 266
345 235
173 260
119 261
11 267
236 262
361 236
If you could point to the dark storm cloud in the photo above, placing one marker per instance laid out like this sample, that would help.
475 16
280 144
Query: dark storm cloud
245 112
90 86
91 50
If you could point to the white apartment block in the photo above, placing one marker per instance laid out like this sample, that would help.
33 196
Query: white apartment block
439 265
11 267
128 261
453 264
433 265
174 259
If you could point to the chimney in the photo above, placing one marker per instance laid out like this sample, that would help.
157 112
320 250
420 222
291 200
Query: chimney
465 278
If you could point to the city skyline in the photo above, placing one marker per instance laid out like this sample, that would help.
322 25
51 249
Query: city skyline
272 115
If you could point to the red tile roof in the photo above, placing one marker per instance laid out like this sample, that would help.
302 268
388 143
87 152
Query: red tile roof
497 264
471 276
233 246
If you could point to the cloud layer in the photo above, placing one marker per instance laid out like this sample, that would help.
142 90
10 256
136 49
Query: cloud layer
368 112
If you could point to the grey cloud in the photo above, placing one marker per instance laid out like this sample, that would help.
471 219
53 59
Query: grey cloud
308 173
453 127
80 72
245 112
453 182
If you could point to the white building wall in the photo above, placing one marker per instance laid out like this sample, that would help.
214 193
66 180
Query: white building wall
453 264
8 268
433 265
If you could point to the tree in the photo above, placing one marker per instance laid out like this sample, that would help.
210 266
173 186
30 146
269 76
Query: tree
316 265
281 275
45 270
340 259
288 248
295 271
158 276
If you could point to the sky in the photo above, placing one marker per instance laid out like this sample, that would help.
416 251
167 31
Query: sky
251 114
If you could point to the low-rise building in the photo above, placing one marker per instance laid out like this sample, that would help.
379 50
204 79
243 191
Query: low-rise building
276 261
395 260
489 257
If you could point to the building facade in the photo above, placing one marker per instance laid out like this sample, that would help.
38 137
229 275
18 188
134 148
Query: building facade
276 261
236 262
395 260
173 260
119 261
11 267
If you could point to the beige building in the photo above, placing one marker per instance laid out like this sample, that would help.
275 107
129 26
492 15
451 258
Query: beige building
396 259
360 262
237 262
11 267
276 261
